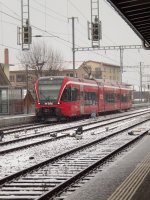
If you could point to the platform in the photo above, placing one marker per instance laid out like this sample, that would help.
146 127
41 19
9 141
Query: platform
127 177
11 120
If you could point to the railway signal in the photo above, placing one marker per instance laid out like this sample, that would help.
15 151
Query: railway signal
96 31
27 35
24 33
94 27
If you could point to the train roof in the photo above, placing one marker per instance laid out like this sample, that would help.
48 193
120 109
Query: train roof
47 77
112 83
100 82
67 78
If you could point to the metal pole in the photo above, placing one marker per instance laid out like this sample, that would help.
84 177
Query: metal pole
121 63
8 93
73 44
91 25
22 24
140 82
27 87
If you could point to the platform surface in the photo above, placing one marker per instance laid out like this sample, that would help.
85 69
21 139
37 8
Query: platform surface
106 183
10 120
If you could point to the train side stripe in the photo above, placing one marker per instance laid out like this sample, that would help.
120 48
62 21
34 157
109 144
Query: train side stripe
90 84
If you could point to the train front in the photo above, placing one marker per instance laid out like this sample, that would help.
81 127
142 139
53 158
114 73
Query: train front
47 93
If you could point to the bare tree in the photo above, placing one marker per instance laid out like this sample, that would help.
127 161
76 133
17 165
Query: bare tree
54 63
41 58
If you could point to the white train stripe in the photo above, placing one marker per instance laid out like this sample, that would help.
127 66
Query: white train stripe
94 84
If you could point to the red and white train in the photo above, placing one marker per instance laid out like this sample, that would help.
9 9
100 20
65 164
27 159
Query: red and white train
65 97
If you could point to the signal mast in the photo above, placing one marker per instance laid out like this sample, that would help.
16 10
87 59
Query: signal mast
25 31
94 28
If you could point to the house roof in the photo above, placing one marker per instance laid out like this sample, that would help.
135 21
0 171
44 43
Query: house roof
67 66
102 63
28 97
137 15
17 67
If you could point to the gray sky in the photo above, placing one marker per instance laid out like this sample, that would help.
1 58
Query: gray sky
51 17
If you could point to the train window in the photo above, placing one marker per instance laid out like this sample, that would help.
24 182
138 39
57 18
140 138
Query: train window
130 95
90 98
66 96
106 97
110 98
118 97
124 98
49 89
70 94
94 98
49 81
74 94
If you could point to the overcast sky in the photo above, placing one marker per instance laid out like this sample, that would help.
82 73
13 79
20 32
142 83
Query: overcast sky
50 17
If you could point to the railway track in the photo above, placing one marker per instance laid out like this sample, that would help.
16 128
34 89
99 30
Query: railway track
21 158
50 177
21 128
47 135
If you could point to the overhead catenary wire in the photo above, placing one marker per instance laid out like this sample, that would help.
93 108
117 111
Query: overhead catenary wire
76 28
10 9
64 41
56 36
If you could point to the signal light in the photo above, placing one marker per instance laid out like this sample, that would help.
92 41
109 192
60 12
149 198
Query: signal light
27 35
95 32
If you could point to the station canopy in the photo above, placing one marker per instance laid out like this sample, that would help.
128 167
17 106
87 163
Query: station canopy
137 15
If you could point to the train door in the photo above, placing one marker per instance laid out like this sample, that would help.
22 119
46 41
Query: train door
101 104
81 100
117 98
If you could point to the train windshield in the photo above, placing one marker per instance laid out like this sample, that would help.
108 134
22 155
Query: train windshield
49 90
